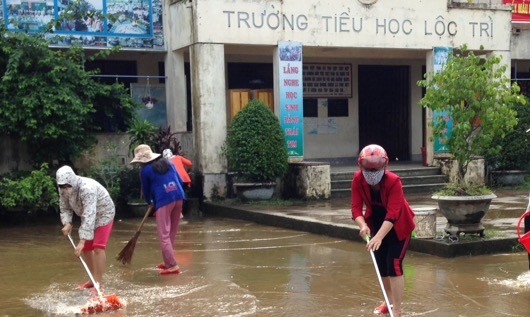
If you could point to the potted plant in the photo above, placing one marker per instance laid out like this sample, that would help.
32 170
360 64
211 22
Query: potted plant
141 132
477 99
256 151
31 194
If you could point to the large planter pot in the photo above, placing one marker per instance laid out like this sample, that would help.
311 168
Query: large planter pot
137 209
464 213
254 191
508 178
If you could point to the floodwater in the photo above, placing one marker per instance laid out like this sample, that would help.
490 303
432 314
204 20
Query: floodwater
237 268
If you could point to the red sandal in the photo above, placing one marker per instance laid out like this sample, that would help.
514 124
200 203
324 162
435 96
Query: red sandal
381 309
161 266
166 272
86 285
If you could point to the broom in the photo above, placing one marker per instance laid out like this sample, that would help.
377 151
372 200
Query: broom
125 255
101 303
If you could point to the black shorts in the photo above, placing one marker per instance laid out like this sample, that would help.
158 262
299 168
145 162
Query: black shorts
390 255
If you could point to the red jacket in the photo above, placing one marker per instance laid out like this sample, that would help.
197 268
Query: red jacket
392 198
179 162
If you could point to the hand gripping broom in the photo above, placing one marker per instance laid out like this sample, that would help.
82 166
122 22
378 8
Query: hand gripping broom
125 255
102 302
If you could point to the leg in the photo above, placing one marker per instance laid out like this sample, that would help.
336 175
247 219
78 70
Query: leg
100 259
175 220
89 259
381 260
396 254
101 236
397 285
526 229
163 227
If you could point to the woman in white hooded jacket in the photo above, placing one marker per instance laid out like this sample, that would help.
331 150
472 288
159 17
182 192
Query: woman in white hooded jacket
92 203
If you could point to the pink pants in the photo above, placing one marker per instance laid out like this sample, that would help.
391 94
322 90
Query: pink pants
101 236
167 224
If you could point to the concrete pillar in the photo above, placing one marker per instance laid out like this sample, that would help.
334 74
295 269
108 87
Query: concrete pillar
175 91
208 87
429 144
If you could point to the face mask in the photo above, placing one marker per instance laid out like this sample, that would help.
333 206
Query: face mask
67 191
373 178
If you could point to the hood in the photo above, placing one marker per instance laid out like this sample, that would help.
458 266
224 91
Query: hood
66 175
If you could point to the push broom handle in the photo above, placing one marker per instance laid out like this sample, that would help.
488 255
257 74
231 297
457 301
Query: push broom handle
149 209
96 285
380 279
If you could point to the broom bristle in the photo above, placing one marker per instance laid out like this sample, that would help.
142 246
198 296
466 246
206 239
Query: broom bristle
125 255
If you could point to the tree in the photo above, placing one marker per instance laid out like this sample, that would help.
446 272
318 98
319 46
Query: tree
49 101
479 98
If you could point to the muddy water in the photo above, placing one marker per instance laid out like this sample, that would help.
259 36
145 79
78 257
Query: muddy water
236 268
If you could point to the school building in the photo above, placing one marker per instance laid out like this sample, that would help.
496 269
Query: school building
355 65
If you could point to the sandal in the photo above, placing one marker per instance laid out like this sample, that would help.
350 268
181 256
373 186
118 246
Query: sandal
161 266
381 309
166 271
86 285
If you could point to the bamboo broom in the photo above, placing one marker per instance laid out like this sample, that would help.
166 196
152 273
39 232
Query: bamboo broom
125 255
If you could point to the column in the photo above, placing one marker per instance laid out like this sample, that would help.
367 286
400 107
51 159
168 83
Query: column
176 91
208 89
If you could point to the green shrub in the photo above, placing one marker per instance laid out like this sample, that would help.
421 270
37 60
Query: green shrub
515 147
255 144
31 193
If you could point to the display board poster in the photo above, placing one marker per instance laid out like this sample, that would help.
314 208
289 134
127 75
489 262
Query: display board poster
130 24
440 57
291 96
520 10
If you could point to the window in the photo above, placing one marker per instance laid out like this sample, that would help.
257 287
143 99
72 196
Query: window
311 108
337 107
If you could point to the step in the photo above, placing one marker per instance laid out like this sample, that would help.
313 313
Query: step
428 189
415 180
423 171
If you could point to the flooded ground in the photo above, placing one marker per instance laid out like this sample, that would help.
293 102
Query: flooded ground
237 268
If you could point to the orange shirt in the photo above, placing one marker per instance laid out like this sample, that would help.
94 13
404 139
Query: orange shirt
179 162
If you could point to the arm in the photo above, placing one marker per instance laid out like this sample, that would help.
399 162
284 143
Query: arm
185 161
66 214
88 196
357 207
146 185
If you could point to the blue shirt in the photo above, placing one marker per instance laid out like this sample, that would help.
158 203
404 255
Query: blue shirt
161 189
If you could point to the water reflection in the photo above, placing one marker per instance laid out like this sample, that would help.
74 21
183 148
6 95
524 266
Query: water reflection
236 268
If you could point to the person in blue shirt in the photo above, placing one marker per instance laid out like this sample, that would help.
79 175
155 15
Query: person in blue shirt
162 188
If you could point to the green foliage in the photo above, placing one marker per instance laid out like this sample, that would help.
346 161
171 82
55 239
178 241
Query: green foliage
453 189
479 97
107 171
255 144
143 132
34 192
515 147
49 101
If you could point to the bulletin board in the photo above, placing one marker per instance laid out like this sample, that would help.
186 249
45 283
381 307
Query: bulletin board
327 80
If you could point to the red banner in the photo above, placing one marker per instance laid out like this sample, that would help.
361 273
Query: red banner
520 10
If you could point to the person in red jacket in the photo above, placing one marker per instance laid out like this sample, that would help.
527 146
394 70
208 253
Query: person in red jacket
179 162
388 220
527 227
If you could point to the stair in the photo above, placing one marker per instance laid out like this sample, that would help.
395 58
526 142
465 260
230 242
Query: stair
415 180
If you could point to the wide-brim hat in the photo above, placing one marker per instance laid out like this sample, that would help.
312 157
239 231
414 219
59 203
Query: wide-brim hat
143 154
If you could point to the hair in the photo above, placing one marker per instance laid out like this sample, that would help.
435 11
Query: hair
161 165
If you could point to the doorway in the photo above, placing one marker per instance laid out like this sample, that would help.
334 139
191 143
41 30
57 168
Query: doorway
384 115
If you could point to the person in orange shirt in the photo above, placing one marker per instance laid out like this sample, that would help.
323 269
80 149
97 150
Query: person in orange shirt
179 162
